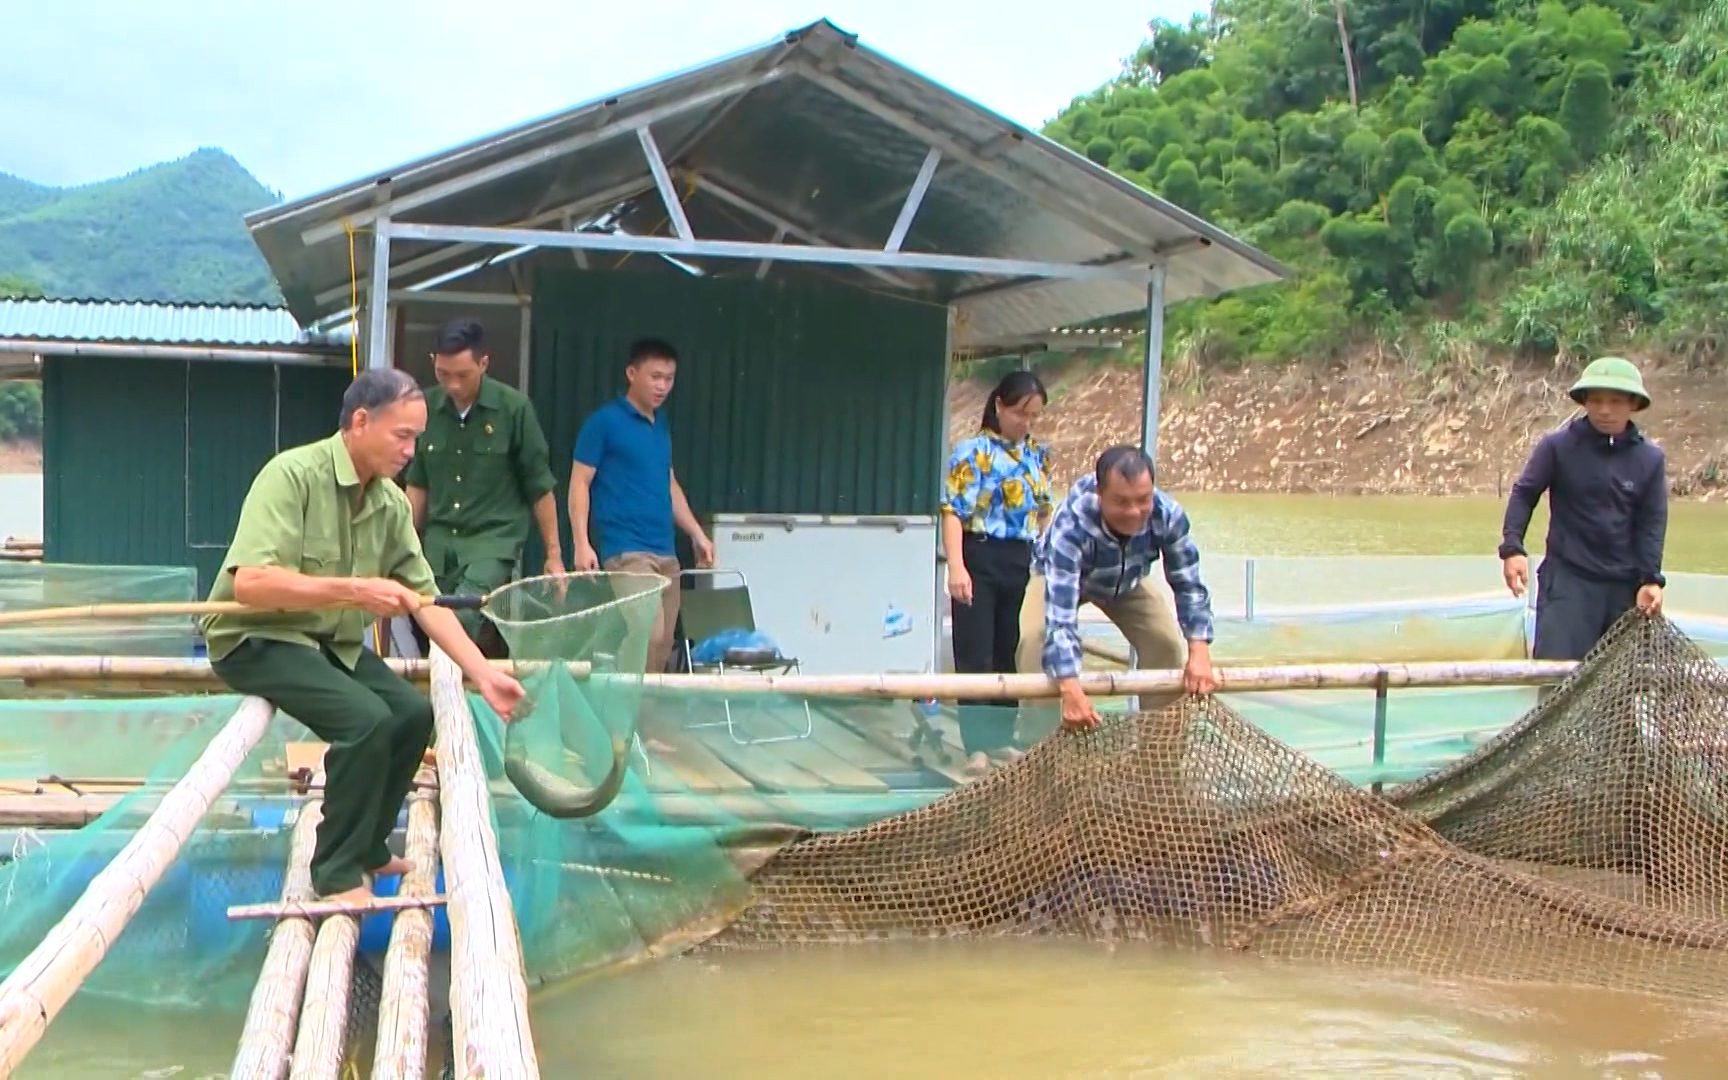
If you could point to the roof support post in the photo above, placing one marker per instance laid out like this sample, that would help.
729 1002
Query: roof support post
1152 374
1151 393
525 346
914 199
663 181
378 297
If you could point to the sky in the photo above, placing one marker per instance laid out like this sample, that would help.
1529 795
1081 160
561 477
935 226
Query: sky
310 94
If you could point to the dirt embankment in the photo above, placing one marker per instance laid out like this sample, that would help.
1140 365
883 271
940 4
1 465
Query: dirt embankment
1361 428
20 457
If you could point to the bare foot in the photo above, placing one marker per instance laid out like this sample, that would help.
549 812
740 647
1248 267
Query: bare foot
395 867
1008 755
978 764
358 895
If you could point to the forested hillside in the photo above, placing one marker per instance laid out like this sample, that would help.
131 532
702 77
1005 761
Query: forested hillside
170 232
1450 177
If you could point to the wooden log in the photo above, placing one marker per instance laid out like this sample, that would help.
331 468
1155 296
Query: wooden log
193 674
324 1012
488 987
39 987
405 1009
273 1016
324 909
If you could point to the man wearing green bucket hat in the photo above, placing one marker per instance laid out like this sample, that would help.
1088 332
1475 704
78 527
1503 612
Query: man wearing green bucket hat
1607 491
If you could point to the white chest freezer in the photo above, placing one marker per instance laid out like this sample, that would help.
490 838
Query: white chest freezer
845 595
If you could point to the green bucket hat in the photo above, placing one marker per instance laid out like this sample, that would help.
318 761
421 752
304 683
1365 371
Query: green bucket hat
1614 374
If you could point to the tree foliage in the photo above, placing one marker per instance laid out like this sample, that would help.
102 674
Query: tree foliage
20 400
1542 175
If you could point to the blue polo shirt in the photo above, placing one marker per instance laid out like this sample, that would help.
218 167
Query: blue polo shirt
630 499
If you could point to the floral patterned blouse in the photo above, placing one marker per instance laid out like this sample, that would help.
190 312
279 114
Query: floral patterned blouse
998 488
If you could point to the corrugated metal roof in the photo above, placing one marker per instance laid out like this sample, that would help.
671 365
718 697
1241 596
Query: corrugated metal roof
132 322
823 134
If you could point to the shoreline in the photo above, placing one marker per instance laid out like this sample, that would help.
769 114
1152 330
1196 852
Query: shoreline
1367 427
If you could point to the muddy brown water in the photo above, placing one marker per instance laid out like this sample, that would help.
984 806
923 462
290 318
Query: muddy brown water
1014 1011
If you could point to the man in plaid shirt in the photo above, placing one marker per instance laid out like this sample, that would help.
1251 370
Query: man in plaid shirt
1099 547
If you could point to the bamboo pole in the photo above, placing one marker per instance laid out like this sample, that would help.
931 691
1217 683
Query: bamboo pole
274 1013
324 909
173 609
190 675
324 1011
405 1009
488 988
39 987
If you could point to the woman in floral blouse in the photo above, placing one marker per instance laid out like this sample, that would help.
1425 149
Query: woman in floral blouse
997 502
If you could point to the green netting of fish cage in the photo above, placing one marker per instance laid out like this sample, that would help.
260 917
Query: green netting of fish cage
61 761
33 586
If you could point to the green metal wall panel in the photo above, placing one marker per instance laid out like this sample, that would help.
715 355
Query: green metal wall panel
113 448
310 404
791 397
147 461
231 420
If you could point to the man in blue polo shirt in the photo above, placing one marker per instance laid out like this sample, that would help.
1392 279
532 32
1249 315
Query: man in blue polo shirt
624 497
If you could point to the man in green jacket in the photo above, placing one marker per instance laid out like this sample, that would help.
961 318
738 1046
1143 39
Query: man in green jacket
325 544
480 475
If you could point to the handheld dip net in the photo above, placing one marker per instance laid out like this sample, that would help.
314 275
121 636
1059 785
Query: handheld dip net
1587 844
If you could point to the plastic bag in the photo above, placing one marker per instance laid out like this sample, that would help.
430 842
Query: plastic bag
713 650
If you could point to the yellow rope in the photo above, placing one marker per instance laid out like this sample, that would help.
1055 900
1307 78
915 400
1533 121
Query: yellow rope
353 302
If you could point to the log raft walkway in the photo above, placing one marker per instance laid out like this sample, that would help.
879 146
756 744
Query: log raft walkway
290 1033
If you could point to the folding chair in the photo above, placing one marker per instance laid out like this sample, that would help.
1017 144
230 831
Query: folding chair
706 610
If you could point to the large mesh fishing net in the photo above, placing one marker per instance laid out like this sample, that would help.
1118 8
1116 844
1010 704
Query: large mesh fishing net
1189 827
1614 783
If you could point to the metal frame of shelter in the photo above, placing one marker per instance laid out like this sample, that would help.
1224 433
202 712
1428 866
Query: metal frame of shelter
1128 242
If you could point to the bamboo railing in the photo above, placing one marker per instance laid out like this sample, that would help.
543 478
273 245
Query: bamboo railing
273 1016
488 987
39 987
194 676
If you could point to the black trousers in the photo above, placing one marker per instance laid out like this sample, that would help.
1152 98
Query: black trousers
987 633
377 727
1574 611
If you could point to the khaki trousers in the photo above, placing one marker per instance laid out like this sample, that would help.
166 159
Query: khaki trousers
1146 615
666 619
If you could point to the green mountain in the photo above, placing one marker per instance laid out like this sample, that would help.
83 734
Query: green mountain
171 232
1451 178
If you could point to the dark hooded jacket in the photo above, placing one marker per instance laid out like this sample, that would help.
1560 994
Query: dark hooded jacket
1607 502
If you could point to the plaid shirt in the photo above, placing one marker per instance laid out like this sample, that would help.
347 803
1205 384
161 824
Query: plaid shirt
1083 561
